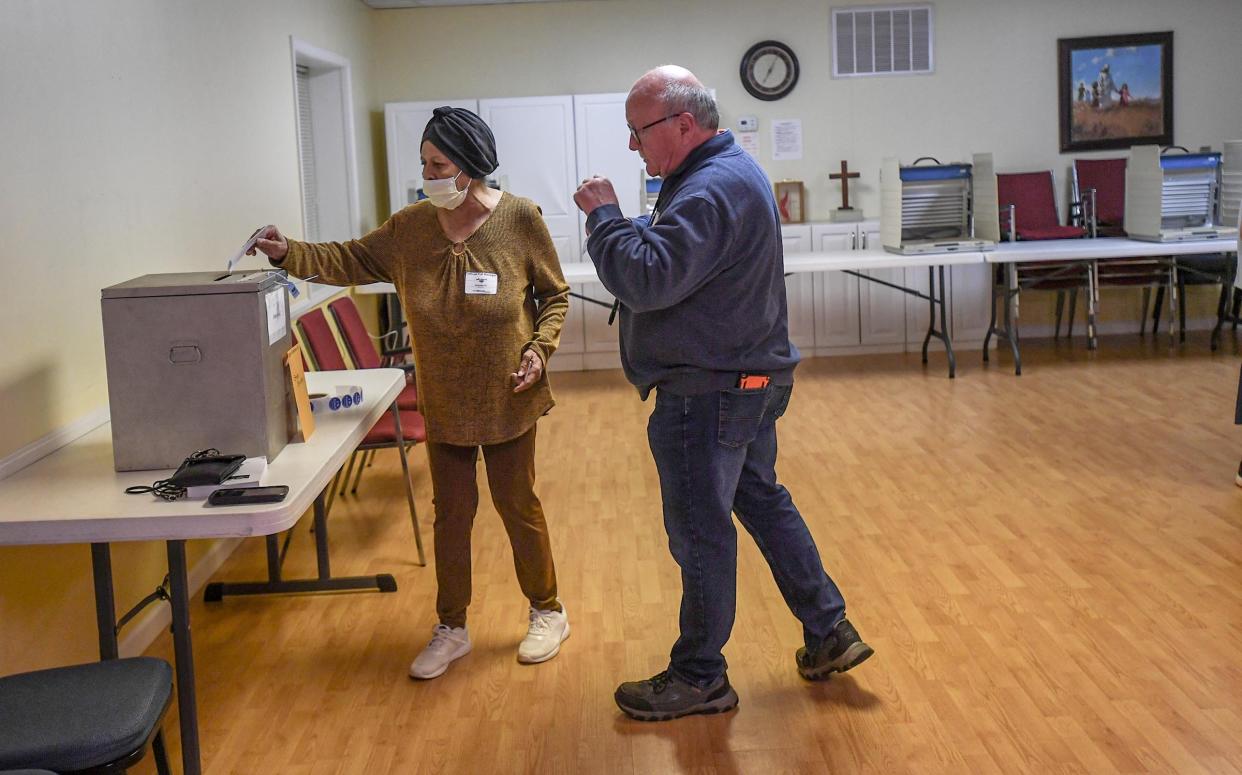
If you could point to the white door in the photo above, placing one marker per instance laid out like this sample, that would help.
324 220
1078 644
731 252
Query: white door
535 148
535 151
971 293
836 293
404 123
800 289
602 147
882 310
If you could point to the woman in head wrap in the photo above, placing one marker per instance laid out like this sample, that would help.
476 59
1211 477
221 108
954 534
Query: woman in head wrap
483 292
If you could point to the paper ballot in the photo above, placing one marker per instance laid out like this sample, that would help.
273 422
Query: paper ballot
250 243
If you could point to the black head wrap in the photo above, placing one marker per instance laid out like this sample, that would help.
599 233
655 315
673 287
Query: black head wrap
464 138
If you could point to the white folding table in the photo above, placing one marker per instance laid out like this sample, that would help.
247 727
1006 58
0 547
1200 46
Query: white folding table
74 496
852 262
1088 253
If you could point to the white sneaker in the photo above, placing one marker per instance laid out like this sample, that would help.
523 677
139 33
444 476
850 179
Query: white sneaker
447 644
547 631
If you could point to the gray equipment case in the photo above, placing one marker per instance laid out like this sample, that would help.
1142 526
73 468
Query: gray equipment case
196 360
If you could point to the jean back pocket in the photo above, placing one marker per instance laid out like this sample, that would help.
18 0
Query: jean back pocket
741 412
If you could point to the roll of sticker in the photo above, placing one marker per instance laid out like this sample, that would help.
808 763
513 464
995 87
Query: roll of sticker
343 397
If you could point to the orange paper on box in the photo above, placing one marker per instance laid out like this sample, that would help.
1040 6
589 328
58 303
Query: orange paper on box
297 383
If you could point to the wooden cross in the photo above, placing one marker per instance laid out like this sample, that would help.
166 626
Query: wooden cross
844 177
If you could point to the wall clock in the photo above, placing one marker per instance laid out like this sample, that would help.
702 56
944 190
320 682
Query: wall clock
769 70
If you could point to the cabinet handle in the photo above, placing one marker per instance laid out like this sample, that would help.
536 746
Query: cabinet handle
854 241
864 240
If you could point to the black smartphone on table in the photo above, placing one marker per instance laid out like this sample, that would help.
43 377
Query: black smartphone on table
241 496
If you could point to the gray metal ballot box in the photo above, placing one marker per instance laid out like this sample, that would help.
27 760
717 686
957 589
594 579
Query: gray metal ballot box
196 360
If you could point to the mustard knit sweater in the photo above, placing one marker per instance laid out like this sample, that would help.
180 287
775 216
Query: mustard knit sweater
465 344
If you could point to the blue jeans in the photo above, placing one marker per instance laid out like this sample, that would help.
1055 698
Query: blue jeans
716 455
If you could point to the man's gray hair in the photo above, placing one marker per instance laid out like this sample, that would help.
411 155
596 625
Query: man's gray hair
693 99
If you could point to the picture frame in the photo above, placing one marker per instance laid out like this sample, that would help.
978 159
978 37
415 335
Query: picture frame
1115 91
791 200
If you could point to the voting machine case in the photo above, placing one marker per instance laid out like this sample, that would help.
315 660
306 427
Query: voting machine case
196 360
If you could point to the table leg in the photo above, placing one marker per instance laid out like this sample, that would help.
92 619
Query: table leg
987 339
324 582
187 705
1173 302
931 308
944 324
409 494
1223 304
105 602
1011 315
1093 303
322 562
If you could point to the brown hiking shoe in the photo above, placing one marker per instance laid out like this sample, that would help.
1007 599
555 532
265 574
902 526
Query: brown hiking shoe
843 650
664 696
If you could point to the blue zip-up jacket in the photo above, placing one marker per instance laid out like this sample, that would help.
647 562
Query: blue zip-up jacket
701 281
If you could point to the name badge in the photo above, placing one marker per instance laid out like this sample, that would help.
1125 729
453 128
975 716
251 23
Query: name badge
481 283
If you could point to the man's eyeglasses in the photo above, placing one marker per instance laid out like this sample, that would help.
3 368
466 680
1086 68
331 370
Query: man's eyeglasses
637 133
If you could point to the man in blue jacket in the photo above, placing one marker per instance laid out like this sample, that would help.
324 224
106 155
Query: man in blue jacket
704 322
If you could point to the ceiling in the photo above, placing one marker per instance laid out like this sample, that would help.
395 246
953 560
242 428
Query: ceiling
425 3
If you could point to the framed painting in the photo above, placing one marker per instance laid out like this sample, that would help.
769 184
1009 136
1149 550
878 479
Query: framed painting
1115 91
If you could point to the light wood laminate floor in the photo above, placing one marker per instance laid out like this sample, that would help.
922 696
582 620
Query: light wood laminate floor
1048 566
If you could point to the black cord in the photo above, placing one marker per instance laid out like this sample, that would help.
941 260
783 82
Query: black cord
164 488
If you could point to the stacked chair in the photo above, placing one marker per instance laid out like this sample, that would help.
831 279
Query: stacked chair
325 355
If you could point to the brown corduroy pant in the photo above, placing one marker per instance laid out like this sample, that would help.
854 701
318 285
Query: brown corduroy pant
511 479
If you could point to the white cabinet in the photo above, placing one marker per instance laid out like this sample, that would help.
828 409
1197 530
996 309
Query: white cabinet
836 293
541 142
535 156
881 310
404 123
602 148
800 289
917 310
535 151
545 145
970 294
535 147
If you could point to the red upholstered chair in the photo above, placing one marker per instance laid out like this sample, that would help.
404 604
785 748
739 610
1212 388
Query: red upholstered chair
1099 187
1029 207
361 347
386 434
1028 211
320 343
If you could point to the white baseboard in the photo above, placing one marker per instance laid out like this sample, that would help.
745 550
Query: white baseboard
612 360
1110 327
585 361
142 631
39 448
604 360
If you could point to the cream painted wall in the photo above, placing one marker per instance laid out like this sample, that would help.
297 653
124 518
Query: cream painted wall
994 88
138 136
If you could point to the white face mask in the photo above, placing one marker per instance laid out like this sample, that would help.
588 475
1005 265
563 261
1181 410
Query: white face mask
444 193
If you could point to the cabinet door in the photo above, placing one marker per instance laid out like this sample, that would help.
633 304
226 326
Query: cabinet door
800 289
404 123
882 310
836 293
917 310
535 148
602 148
970 295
